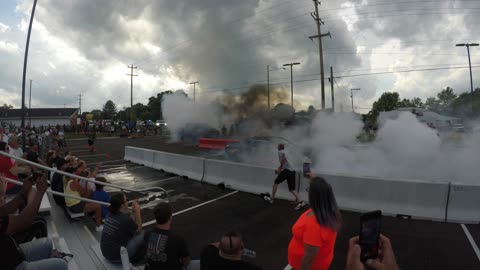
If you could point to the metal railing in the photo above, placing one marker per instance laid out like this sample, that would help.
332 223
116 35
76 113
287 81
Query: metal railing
43 167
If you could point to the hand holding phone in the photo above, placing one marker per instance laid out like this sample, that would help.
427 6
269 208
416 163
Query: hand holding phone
369 238
307 169
386 260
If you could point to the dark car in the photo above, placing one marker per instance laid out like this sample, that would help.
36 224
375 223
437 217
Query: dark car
191 133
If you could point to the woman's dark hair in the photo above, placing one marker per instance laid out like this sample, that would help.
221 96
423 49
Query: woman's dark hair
323 203
116 202
99 186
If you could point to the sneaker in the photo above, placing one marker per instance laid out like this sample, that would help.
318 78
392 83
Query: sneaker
99 228
268 199
300 205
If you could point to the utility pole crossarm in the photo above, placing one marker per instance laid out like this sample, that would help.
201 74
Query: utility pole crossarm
194 94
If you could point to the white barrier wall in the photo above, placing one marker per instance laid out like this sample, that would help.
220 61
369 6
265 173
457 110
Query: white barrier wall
179 164
464 204
139 155
244 177
418 199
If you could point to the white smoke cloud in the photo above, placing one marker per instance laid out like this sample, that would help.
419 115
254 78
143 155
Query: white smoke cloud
179 111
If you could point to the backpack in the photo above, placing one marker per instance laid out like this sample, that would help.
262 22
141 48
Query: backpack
57 185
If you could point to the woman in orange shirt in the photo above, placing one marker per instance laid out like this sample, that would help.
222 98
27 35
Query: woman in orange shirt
315 231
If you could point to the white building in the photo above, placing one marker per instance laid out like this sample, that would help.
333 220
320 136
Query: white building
40 117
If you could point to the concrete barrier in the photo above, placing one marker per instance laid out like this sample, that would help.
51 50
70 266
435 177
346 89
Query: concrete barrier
417 199
189 166
414 198
139 155
244 177
464 202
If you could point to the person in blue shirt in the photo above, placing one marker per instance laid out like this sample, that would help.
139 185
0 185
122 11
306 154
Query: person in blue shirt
100 195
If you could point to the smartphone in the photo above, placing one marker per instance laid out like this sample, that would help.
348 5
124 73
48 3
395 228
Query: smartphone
306 169
370 228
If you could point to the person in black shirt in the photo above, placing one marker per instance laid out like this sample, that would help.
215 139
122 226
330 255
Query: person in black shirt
165 249
226 254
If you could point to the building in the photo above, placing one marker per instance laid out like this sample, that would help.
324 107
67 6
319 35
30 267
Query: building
39 116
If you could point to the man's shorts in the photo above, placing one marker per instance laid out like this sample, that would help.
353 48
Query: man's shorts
289 176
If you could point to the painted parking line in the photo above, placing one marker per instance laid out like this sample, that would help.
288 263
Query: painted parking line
194 207
97 155
110 161
470 239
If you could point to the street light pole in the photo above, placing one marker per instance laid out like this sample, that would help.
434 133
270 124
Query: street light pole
25 60
291 79
468 45
194 83
268 83
30 106
351 96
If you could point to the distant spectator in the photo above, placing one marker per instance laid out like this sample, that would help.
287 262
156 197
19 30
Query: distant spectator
386 260
11 170
34 156
14 148
91 140
100 195
164 248
226 254
122 228
3 136
73 187
32 255
50 157
315 232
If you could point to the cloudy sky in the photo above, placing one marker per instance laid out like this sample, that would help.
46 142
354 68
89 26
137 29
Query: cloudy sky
84 47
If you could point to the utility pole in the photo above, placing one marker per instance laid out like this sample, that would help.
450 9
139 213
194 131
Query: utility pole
316 17
268 83
351 96
468 45
30 106
194 94
291 79
331 79
132 67
80 104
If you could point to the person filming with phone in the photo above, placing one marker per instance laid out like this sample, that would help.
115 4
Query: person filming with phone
315 232
385 260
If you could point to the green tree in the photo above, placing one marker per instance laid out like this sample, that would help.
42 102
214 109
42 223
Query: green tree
155 105
462 105
388 101
109 110
97 114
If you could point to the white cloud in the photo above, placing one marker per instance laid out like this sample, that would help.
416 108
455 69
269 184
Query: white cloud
4 28
9 47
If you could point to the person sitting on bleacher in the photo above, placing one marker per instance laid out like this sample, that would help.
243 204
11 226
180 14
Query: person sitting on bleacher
122 228
165 249
11 170
57 183
226 254
101 195
76 206
36 254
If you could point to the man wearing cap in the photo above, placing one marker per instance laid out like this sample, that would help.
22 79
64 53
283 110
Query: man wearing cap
285 172
226 254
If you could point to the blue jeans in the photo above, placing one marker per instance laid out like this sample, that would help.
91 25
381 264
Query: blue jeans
135 244
37 256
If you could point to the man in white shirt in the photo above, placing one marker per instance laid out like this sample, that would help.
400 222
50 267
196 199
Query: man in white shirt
14 147
3 136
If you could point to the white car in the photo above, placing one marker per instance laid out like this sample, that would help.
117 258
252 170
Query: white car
161 123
